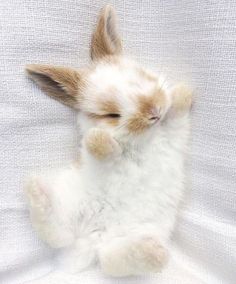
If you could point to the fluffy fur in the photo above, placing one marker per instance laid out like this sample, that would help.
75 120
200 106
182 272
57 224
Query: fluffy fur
118 207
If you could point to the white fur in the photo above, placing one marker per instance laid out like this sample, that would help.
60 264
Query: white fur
121 211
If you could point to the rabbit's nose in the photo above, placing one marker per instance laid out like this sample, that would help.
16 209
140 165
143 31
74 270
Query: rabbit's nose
154 118
154 114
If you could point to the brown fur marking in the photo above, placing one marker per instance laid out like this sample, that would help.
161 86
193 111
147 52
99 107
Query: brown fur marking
146 103
109 106
140 121
137 124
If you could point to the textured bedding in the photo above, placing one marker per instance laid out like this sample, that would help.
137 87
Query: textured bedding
193 41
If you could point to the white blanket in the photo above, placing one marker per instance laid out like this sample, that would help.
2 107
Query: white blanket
189 40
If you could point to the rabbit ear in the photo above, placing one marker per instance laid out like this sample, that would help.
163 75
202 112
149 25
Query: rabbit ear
60 83
105 39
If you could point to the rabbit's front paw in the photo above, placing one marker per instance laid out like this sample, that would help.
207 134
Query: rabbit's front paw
182 98
101 144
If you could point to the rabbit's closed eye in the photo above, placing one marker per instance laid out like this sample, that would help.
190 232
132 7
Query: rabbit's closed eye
111 119
106 115
113 115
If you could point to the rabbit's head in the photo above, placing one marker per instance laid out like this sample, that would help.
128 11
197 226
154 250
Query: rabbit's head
114 92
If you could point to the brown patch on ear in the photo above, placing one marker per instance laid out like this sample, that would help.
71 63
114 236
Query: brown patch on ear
106 40
60 83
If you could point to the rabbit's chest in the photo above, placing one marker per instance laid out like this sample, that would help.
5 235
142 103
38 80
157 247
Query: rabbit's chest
142 189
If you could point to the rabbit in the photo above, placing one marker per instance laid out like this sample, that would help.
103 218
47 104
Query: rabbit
117 207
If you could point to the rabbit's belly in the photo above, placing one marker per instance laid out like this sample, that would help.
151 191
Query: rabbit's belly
138 200
147 206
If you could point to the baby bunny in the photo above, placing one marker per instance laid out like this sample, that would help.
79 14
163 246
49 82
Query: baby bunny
118 207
